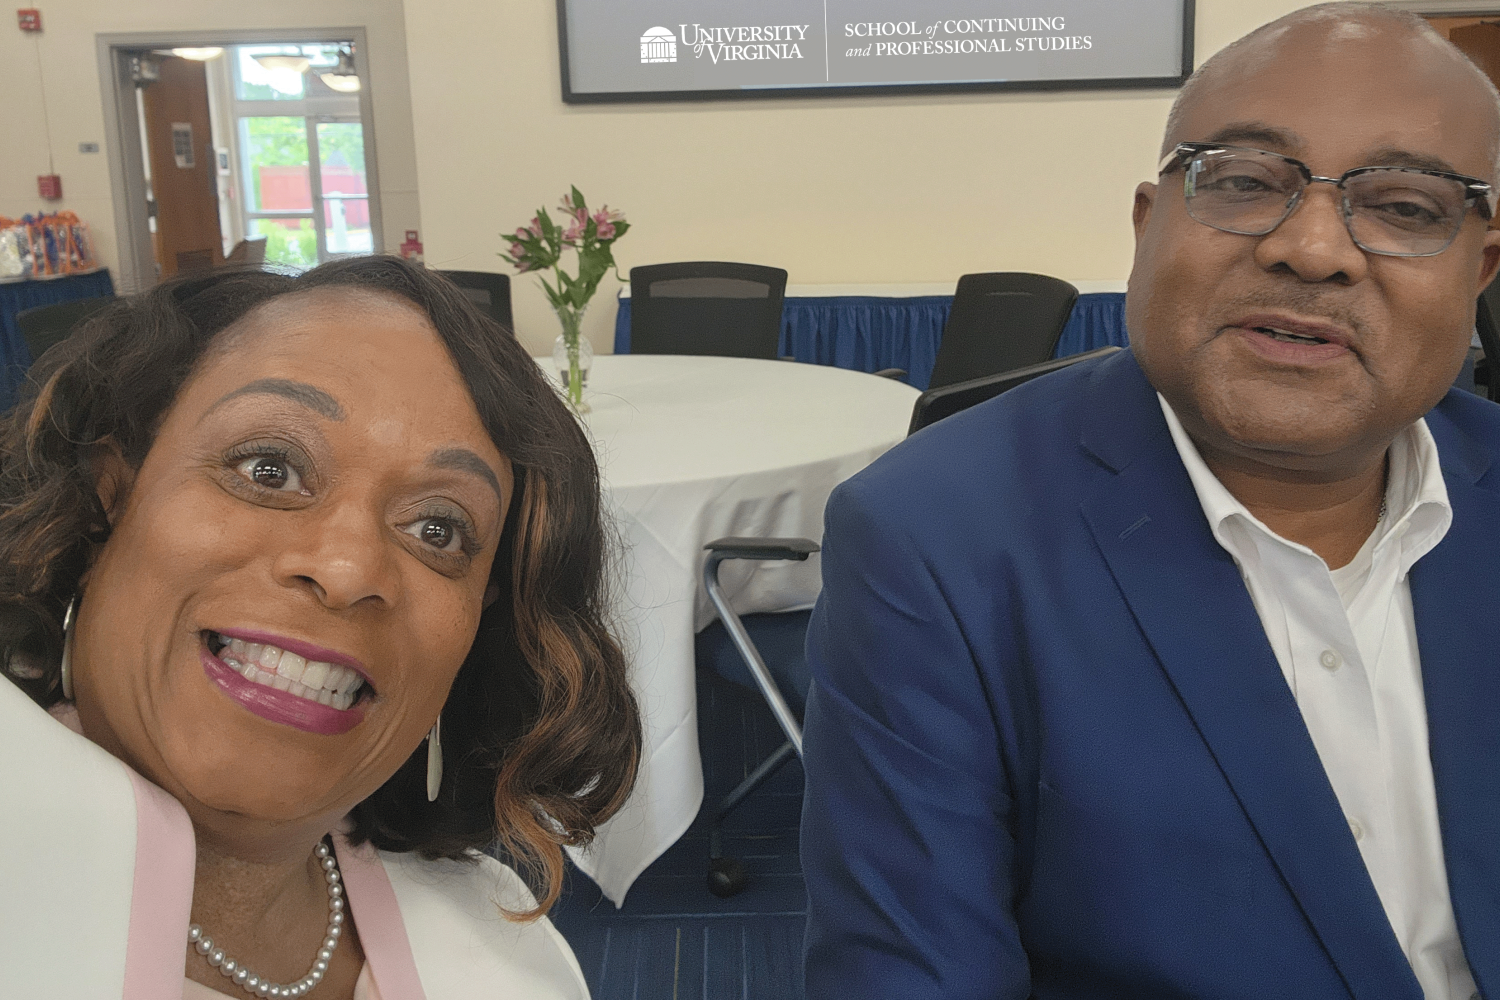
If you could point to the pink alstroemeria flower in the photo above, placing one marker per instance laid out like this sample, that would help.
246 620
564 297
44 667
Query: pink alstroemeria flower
574 233
604 222
517 250
536 227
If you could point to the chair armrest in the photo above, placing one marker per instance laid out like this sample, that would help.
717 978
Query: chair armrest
891 373
762 548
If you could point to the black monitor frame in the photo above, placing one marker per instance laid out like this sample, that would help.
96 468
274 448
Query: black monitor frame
570 96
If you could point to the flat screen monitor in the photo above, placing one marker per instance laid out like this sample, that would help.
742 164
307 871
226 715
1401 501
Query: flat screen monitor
659 50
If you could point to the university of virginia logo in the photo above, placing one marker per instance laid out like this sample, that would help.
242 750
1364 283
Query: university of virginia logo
745 43
658 46
749 43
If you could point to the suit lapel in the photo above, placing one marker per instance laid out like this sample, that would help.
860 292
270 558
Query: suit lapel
1455 593
1190 602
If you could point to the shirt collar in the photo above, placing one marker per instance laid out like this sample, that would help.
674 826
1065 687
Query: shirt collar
1417 509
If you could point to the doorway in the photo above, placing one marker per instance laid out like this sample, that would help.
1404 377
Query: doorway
182 198
248 146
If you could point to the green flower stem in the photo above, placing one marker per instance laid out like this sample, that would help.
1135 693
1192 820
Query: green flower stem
572 320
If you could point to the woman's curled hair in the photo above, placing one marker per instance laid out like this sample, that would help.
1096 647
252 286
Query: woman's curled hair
541 733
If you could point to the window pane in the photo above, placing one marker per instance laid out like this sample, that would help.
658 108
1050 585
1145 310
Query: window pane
341 158
276 176
288 241
258 83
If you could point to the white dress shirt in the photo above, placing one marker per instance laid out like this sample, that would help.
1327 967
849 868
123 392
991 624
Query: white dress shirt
1346 640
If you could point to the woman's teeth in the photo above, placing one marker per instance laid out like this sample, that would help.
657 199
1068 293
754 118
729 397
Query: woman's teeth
326 683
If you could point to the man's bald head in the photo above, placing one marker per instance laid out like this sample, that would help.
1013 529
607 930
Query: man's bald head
1332 26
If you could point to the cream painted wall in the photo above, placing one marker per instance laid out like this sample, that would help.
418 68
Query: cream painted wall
75 102
836 190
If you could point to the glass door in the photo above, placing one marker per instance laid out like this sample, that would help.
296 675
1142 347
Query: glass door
340 150
278 188
302 155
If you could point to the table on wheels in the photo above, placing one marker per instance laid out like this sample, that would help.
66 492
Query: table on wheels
692 449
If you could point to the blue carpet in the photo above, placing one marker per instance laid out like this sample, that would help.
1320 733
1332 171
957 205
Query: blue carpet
676 941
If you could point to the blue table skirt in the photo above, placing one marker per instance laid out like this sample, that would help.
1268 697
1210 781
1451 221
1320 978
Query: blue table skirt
21 295
871 333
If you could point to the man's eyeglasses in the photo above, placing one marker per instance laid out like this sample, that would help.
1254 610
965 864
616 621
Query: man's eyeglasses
1395 211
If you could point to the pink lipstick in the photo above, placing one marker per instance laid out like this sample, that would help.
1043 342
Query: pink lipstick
280 706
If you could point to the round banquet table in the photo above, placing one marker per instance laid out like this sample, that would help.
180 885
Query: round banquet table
692 449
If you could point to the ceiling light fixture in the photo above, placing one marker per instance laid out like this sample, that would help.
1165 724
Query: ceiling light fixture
285 64
342 77
203 54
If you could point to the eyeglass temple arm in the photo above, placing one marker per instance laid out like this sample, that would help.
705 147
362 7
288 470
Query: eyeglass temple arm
1181 151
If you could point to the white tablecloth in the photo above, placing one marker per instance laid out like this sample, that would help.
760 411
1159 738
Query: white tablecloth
694 449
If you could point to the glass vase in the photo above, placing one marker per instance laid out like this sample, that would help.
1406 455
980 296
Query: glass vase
572 356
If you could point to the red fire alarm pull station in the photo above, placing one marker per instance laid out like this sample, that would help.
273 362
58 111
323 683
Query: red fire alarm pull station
412 248
49 186
31 19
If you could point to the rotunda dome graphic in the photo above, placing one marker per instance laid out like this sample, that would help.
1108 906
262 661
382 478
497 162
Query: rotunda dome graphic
658 46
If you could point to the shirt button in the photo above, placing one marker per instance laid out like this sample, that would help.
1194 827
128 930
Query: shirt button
1356 829
1331 659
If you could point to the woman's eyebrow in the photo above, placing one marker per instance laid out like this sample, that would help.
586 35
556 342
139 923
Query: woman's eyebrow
464 460
310 396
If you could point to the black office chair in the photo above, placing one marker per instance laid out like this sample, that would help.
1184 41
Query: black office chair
487 290
1000 322
706 307
727 648
766 651
935 404
1487 368
43 326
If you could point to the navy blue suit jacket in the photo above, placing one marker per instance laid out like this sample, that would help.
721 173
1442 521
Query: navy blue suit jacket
1050 752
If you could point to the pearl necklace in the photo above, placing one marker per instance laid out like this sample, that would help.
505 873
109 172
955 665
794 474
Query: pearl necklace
259 985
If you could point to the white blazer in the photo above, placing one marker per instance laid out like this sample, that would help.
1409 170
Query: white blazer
96 880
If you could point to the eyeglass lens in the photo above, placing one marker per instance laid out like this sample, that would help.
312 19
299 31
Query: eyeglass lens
1389 211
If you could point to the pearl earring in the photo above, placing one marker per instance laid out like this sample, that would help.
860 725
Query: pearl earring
67 656
434 760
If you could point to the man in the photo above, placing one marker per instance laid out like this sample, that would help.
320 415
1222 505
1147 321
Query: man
1175 674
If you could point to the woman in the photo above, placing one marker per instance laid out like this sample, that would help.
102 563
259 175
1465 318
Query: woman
312 567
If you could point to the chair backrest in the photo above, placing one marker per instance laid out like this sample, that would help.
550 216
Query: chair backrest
44 326
935 404
189 261
706 307
251 250
1000 322
487 290
1487 324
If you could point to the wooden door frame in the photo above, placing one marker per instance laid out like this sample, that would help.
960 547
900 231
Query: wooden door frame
127 178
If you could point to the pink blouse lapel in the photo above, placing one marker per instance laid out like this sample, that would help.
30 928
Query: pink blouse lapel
162 896
382 931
